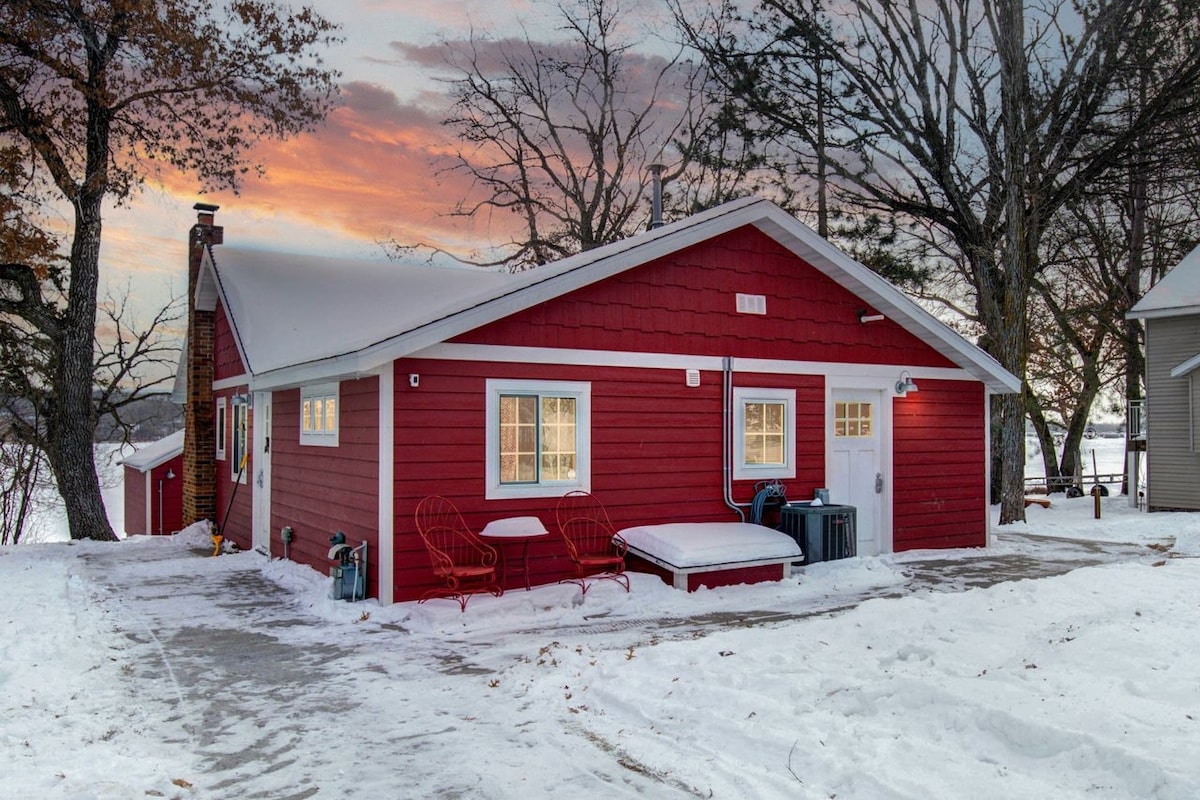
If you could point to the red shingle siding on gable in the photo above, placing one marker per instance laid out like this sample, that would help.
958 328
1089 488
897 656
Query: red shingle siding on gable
685 303
228 363
655 452
939 461
321 490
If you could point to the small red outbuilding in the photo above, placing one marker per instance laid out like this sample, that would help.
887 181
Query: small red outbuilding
154 487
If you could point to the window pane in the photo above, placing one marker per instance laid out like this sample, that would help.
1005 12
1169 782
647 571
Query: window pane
306 417
518 439
765 433
558 438
330 414
526 468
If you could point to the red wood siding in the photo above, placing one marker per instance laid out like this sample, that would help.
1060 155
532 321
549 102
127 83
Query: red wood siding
227 361
321 490
686 304
939 462
655 452
171 519
710 580
135 501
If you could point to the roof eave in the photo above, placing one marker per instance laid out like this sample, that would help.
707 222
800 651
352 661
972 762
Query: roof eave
1162 313
555 280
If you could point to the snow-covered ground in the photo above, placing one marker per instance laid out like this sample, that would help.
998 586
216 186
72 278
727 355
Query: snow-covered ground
144 669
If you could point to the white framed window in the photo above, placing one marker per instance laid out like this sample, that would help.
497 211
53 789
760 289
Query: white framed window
221 431
319 410
238 467
539 438
764 433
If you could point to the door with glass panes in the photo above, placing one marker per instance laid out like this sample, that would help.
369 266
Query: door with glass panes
856 465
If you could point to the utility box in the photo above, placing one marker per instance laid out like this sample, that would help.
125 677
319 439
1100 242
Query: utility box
824 532
348 583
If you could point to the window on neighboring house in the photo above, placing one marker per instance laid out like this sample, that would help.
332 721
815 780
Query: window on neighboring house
538 438
241 423
319 415
221 433
764 445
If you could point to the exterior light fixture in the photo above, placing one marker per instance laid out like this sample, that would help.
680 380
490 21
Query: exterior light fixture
905 384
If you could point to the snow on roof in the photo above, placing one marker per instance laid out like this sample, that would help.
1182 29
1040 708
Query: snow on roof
301 318
1176 295
156 453
289 308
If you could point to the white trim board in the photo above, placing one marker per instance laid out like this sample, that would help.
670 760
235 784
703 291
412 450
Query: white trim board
878 374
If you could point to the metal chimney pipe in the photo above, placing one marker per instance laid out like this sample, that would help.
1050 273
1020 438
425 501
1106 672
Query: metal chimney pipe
656 195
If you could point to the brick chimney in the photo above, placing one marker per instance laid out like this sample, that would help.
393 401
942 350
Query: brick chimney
199 423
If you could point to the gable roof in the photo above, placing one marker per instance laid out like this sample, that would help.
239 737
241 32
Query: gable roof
300 319
156 453
1176 295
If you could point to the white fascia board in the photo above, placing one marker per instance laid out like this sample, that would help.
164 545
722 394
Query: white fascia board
209 290
878 375
887 299
1160 313
1186 367
235 382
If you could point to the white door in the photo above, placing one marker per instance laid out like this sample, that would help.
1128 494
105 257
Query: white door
261 526
855 470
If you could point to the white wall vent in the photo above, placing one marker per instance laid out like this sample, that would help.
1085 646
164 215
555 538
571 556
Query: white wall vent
751 303
692 378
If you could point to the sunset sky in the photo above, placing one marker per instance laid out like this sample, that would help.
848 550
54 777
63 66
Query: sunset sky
368 174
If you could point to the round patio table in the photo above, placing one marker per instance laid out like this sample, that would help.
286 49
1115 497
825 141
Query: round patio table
522 530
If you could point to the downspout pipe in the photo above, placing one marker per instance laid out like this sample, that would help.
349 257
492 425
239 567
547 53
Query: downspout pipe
727 435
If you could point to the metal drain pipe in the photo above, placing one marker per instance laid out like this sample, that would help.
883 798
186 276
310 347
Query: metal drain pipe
727 435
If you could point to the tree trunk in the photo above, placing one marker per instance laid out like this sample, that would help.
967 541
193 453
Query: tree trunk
72 418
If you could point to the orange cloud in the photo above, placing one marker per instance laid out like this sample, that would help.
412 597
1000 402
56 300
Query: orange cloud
375 170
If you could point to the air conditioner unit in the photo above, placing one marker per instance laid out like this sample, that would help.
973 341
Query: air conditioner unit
824 533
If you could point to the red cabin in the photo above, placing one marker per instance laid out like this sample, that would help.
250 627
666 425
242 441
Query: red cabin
668 375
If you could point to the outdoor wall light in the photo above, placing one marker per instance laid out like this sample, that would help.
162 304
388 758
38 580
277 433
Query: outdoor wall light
905 384
170 474
414 380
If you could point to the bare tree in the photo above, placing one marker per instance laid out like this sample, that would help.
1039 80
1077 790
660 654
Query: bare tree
22 483
94 98
983 119
561 135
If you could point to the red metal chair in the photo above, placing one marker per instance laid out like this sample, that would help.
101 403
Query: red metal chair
593 545
463 561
